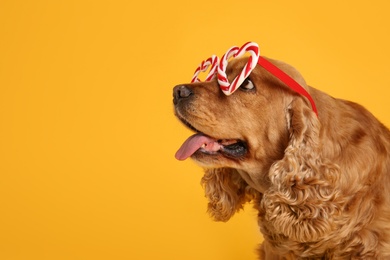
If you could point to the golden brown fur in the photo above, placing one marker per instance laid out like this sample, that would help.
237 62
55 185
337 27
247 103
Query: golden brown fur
320 184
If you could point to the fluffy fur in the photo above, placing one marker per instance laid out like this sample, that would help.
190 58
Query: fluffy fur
320 184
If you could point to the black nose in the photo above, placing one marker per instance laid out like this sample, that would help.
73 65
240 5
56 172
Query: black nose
181 92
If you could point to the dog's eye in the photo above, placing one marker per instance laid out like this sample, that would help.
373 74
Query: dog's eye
247 85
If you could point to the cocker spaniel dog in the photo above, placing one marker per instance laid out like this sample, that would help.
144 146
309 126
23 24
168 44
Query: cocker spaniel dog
316 168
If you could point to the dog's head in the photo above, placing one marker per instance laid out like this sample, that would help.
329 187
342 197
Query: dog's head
241 130
239 137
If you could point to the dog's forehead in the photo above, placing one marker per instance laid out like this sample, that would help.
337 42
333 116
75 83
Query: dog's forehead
236 65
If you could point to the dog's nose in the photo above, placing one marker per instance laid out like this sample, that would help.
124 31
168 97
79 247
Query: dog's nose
180 92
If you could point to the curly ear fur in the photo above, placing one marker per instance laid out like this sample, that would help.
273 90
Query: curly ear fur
226 192
302 204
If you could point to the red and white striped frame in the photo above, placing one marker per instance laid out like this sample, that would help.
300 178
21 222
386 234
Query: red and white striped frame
203 66
235 52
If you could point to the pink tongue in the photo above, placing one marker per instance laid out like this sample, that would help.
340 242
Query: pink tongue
193 143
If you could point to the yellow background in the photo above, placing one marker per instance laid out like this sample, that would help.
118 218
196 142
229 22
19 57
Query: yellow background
87 132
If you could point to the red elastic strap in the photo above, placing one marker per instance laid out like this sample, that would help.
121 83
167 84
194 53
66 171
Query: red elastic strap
286 79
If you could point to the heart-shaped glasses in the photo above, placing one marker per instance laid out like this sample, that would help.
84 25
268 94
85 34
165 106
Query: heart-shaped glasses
254 58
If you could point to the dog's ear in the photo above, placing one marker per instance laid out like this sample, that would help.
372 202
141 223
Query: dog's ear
226 192
303 201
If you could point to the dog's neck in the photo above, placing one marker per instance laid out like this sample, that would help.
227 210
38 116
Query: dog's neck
260 183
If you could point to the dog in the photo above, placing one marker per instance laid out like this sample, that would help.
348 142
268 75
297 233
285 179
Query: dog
320 180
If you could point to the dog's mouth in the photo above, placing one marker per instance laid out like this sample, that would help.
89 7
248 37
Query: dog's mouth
208 145
202 143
